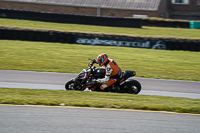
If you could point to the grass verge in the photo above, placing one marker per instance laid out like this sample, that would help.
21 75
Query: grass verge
145 31
98 99
72 58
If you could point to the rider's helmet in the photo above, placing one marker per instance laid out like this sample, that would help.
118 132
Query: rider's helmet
102 59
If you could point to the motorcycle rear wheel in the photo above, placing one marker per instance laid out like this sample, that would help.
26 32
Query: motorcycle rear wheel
133 87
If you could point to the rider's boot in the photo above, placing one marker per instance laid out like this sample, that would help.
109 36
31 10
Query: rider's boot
108 89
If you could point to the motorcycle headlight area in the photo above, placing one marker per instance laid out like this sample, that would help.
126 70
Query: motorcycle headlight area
82 74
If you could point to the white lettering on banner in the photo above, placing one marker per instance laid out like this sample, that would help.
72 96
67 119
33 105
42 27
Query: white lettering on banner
140 44
159 45
96 41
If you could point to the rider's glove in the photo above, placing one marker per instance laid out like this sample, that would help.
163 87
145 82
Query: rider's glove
92 62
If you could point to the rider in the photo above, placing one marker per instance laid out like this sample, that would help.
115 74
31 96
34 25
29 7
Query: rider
113 71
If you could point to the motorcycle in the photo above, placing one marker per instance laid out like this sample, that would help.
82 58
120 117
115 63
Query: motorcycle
85 79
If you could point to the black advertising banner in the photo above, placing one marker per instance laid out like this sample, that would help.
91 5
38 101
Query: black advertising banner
120 41
100 39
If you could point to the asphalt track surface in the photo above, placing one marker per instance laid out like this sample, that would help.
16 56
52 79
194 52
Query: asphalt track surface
56 81
37 119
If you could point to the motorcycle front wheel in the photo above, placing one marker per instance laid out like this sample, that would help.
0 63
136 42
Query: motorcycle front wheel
71 85
132 87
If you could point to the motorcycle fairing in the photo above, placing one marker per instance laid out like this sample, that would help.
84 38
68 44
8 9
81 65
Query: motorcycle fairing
82 74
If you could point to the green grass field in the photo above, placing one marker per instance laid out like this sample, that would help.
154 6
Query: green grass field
98 99
145 31
72 58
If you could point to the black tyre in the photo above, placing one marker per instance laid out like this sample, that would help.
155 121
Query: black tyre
133 86
71 85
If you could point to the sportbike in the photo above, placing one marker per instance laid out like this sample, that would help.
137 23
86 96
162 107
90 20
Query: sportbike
86 77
